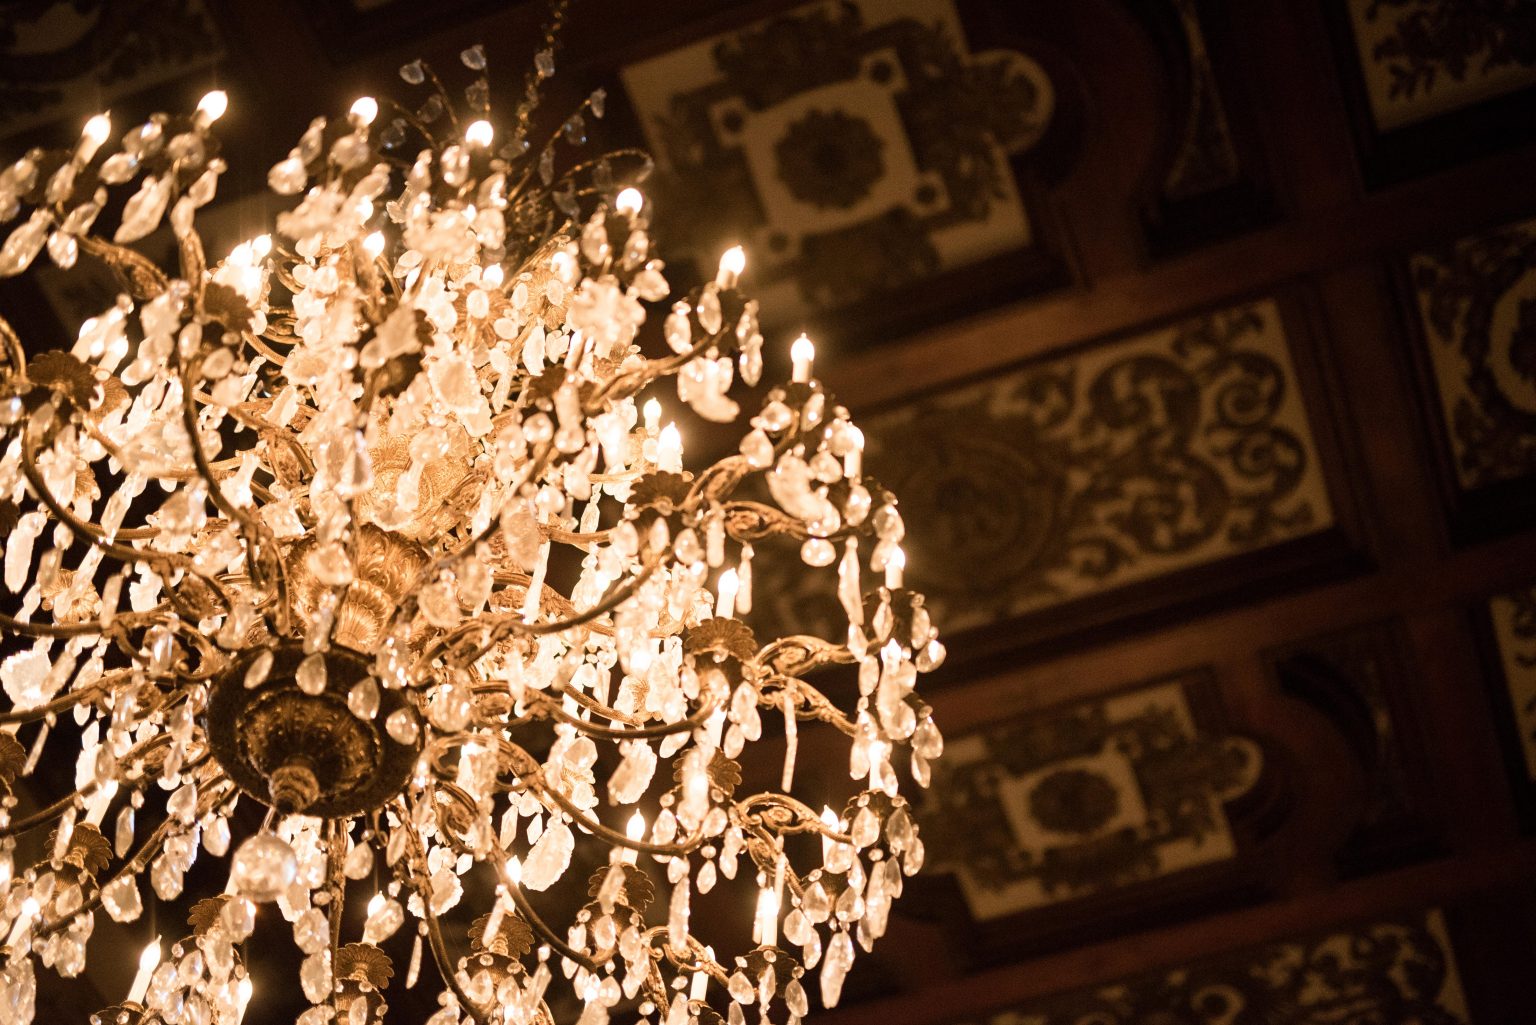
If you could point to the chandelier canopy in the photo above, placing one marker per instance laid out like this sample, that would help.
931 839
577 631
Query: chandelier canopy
363 558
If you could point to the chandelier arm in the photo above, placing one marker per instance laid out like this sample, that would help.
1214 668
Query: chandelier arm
648 372
541 789
136 556
258 535
255 341
58 704
817 706
595 706
15 353
616 596
807 821
11 623
692 957
140 858
498 628
548 594
766 852
694 721
435 941
574 538
526 909
57 808
43 815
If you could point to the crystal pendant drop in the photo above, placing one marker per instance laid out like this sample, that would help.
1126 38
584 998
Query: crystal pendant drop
264 867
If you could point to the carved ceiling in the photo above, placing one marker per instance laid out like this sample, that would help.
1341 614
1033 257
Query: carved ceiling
1200 339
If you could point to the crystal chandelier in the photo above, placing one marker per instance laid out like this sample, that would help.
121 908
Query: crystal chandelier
363 558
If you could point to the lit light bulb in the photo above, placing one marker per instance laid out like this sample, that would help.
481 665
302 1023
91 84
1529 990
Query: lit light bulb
373 245
243 998
652 413
97 128
629 202
480 133
801 354
699 988
261 245
732 263
765 930
365 109
635 831
725 602
149 960
493 276
514 871
894 564
213 105
92 136
669 449
374 903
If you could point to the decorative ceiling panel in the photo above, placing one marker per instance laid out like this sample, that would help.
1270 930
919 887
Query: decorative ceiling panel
1476 320
1513 616
1422 58
856 149
1089 798
1124 462
1392 971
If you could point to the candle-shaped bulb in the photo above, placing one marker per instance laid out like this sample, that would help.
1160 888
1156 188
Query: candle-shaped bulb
699 988
514 871
374 903
213 105
149 960
765 931
365 109
634 830
373 245
801 354
629 202
243 997
732 263
894 564
480 133
652 412
493 276
92 136
669 449
729 586
261 245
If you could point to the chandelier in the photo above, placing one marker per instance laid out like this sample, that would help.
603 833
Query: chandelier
363 558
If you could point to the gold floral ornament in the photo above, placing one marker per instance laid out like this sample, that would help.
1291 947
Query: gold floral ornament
376 522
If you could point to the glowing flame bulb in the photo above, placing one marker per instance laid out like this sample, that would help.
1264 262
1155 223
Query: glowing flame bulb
634 830
652 412
374 903
243 997
801 354
629 202
213 104
149 960
480 133
669 449
261 245
514 871
93 135
373 245
493 276
365 109
725 602
732 263
894 564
